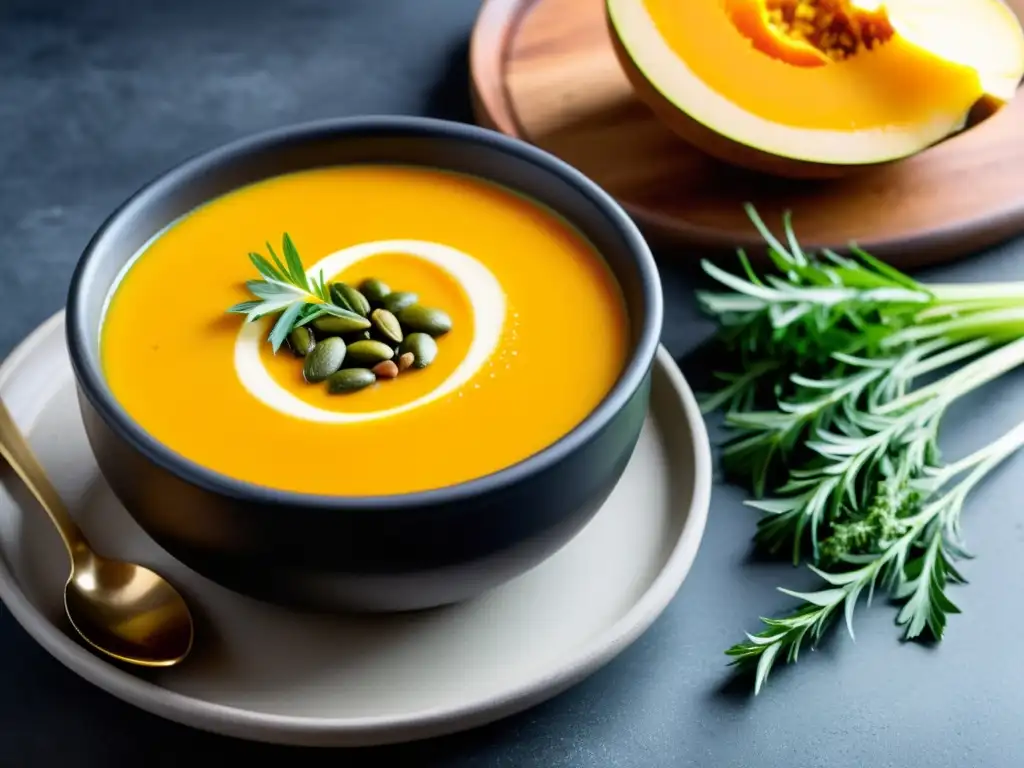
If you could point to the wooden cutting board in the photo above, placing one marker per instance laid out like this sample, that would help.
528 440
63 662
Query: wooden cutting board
544 71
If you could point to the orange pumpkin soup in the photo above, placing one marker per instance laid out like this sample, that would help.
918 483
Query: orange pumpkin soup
171 353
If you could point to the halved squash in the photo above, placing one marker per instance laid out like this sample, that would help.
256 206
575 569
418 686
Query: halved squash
811 88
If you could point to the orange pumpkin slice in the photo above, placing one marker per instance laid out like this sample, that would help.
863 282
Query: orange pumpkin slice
817 87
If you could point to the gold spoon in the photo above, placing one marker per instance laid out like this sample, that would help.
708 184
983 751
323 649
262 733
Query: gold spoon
124 610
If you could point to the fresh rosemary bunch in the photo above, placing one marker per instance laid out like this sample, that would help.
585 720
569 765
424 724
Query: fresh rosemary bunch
844 369
905 542
286 291
797 337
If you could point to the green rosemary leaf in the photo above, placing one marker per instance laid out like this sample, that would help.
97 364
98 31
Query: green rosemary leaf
309 316
281 268
284 325
273 289
822 599
270 307
924 589
334 309
794 246
884 269
764 665
322 289
244 307
774 506
769 238
295 270
266 269
748 269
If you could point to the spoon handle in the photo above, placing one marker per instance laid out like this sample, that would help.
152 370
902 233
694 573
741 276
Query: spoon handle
16 450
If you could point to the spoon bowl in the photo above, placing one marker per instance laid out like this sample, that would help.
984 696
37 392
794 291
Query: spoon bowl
128 612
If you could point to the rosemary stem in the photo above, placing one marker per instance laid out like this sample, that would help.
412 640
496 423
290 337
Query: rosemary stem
995 451
963 308
952 292
757 370
1007 321
948 356
968 378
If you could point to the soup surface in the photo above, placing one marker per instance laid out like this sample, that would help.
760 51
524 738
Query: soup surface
523 364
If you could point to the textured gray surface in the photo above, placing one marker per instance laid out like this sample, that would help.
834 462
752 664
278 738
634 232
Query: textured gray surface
96 97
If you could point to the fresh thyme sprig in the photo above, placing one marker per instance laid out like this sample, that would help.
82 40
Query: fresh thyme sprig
843 370
287 291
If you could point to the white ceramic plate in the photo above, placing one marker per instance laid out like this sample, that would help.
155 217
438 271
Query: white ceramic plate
265 673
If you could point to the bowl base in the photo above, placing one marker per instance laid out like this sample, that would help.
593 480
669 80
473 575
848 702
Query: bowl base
324 592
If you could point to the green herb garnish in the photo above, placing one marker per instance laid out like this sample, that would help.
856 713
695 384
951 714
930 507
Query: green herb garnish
835 435
286 290
350 337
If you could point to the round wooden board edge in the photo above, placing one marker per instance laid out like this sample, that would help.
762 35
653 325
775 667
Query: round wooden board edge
493 29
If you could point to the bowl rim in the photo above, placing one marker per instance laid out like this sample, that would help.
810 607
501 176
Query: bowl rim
92 384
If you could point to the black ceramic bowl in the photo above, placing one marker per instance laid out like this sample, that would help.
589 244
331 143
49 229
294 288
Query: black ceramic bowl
381 553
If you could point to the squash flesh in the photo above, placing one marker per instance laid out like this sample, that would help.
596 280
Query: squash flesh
898 83
984 36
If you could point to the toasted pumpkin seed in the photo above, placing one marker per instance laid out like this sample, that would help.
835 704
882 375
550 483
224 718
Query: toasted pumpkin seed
423 349
368 353
345 323
301 341
396 301
325 359
374 290
420 319
338 298
347 297
350 380
387 325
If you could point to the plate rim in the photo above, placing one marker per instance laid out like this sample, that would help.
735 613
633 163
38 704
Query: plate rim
380 729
